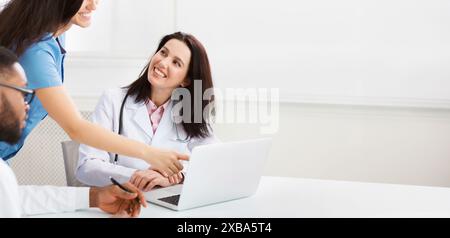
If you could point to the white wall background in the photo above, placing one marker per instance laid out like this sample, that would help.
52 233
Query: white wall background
382 50
125 28
387 52
388 57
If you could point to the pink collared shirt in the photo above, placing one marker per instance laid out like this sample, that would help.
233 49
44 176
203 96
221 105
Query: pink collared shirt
156 113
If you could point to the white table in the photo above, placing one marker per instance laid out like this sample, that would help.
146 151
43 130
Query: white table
298 198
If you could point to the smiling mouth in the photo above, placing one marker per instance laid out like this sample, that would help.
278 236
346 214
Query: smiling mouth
159 73
86 15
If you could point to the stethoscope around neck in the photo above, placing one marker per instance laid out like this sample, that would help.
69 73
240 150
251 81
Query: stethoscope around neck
178 139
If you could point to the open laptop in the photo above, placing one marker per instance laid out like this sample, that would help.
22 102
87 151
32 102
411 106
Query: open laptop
216 173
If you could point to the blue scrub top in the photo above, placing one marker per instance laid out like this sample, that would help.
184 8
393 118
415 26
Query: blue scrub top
43 63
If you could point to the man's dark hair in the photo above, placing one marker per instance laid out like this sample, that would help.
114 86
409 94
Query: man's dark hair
7 60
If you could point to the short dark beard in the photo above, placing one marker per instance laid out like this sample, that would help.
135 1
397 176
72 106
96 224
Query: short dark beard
10 130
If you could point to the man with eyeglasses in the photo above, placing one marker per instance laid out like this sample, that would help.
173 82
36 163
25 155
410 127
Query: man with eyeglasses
17 201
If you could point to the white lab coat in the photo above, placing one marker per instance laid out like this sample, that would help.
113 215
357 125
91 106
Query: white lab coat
96 166
17 201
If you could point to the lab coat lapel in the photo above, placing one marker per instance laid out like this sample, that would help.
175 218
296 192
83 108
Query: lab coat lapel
142 119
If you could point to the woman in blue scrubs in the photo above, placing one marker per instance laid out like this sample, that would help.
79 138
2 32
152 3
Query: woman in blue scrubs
34 30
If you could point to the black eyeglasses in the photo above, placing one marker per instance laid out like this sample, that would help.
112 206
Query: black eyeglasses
28 94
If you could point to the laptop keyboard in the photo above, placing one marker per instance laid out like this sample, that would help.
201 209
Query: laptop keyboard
174 200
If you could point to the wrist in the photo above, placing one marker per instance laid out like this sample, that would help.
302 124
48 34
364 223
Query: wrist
148 153
93 197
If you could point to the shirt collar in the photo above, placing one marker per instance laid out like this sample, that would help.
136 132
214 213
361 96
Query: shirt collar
48 36
63 51
151 106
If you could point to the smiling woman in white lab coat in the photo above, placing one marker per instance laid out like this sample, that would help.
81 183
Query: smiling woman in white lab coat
146 110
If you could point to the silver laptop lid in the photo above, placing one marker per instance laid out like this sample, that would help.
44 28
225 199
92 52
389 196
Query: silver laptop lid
222 172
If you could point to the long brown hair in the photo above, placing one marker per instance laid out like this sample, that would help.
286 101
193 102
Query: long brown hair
199 69
25 22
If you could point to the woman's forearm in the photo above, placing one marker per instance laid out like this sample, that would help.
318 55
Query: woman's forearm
62 109
96 136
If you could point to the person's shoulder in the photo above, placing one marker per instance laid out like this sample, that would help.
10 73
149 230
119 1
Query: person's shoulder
115 93
3 166
110 100
9 192
37 53
6 174
47 46
112 96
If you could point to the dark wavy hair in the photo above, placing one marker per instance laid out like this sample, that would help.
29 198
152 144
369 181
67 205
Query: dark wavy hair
199 69
25 22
